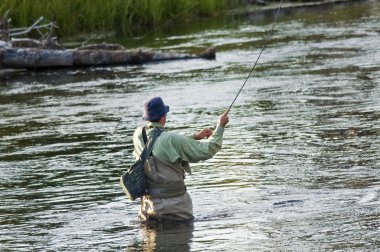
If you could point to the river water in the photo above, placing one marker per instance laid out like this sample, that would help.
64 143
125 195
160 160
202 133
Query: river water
299 168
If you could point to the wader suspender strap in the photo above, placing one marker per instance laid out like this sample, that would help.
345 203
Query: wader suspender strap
144 135
145 138
149 146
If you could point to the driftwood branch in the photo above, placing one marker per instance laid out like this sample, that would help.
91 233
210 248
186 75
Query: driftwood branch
35 26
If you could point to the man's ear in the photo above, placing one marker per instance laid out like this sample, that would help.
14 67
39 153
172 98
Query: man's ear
162 120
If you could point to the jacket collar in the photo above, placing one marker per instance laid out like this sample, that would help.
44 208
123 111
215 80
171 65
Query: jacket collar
155 125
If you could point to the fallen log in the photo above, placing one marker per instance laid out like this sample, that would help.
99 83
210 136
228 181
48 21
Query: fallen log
35 58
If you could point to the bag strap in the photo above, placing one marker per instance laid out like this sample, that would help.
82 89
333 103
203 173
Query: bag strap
145 138
149 146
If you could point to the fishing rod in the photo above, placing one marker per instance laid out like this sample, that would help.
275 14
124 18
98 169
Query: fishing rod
257 60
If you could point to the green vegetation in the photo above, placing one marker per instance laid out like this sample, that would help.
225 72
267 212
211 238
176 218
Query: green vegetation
73 16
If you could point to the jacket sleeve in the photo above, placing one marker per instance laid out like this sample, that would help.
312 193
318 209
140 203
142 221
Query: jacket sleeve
191 150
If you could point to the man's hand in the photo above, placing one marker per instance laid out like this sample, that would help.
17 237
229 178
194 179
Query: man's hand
205 133
223 119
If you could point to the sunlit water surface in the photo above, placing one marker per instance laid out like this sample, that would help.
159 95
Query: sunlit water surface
299 168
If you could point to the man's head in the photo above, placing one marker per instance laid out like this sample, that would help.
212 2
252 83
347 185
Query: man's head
155 109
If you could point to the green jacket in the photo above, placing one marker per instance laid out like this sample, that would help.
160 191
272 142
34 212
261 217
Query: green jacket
175 148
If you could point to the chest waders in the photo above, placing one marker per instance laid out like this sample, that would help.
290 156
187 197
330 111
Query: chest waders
167 197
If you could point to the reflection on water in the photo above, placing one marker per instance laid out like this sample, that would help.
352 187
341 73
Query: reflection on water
165 236
299 167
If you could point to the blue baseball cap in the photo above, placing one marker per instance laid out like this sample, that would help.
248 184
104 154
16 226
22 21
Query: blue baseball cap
154 109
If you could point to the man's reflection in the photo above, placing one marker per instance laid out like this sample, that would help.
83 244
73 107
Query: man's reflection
167 235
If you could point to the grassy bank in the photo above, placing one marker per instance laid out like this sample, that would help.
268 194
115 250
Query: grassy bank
73 16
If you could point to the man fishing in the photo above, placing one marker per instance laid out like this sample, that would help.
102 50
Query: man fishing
167 198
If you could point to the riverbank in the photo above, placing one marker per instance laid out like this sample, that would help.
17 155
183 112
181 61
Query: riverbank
243 9
128 16
85 16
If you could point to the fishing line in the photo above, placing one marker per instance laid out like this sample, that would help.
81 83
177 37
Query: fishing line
262 49
165 23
